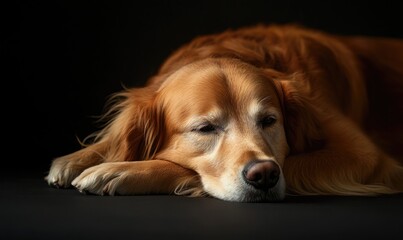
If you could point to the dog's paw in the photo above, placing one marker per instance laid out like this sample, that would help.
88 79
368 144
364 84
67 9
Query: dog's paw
62 172
103 179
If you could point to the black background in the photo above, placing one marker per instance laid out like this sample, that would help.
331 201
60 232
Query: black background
62 59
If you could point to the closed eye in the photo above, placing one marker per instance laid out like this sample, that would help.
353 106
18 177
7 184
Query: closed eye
206 128
267 121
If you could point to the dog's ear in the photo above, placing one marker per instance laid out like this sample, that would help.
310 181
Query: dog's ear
301 123
134 130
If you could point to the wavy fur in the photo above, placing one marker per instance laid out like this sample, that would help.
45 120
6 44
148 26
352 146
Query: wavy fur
333 92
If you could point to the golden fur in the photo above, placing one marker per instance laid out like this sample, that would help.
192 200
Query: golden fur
326 109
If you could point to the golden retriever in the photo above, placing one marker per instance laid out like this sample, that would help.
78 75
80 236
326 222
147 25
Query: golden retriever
254 114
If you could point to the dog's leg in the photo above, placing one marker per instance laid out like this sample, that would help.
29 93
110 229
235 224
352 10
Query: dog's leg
349 164
64 169
138 177
338 172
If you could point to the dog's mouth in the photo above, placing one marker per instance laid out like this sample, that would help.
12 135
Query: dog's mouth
256 183
248 193
275 193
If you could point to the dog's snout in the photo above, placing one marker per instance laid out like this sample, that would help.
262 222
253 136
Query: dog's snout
261 174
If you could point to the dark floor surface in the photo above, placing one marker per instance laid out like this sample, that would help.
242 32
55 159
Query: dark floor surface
32 210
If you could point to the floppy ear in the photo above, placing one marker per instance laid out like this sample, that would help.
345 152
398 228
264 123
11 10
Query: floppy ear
301 123
135 129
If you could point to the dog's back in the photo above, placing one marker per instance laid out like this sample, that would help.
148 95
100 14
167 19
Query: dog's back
381 61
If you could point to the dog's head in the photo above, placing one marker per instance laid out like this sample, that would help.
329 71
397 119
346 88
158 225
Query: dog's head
224 119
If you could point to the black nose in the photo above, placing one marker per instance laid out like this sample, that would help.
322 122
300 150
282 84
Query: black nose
261 174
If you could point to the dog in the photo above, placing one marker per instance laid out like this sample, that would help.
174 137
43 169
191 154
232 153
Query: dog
252 115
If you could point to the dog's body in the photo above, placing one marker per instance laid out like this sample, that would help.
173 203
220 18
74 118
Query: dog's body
248 114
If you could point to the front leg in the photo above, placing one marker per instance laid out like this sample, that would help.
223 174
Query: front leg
135 178
339 172
350 164
64 169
